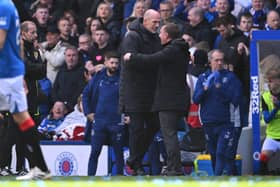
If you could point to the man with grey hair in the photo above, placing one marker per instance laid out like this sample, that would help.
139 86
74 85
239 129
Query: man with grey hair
72 71
166 10
198 25
218 91
35 69
272 20
137 87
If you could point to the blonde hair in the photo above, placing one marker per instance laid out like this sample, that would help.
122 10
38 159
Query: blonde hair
133 14
109 8
270 66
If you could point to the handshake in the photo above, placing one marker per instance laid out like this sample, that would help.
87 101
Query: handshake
127 56
212 78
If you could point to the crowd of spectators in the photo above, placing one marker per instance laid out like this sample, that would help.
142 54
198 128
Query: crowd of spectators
96 27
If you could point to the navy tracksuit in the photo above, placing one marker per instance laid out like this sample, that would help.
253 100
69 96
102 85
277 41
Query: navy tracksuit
101 97
216 115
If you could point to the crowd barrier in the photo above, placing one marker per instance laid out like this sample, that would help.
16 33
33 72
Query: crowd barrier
70 158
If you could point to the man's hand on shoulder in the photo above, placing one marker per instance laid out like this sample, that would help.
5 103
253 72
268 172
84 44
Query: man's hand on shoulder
127 56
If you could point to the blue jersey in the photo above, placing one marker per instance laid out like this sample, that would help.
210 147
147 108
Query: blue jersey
11 64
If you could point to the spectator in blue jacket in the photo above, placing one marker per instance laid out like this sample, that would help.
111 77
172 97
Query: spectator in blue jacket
258 10
100 102
48 126
218 91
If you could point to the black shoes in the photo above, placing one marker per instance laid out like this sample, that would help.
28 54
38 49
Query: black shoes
136 170
6 171
129 163
22 172
166 172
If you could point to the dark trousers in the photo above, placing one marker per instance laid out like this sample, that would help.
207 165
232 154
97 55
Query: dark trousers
220 144
113 135
27 145
237 134
142 129
11 136
169 124
157 150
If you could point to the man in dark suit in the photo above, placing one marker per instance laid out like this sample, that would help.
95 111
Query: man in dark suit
137 87
172 97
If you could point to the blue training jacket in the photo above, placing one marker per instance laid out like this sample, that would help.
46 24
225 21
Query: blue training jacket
101 97
215 103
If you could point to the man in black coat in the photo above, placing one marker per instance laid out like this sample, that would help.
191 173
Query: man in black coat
137 87
172 97
70 80
198 25
35 69
235 46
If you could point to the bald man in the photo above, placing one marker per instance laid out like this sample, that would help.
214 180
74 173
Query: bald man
137 87
272 20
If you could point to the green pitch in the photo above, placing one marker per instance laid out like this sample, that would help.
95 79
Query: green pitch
147 181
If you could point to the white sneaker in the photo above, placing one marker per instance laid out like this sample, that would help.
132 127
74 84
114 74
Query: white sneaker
35 174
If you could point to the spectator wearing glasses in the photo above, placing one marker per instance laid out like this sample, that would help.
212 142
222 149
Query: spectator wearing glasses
166 15
85 53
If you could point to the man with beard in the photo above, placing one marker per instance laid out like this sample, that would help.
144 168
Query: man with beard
235 46
100 102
